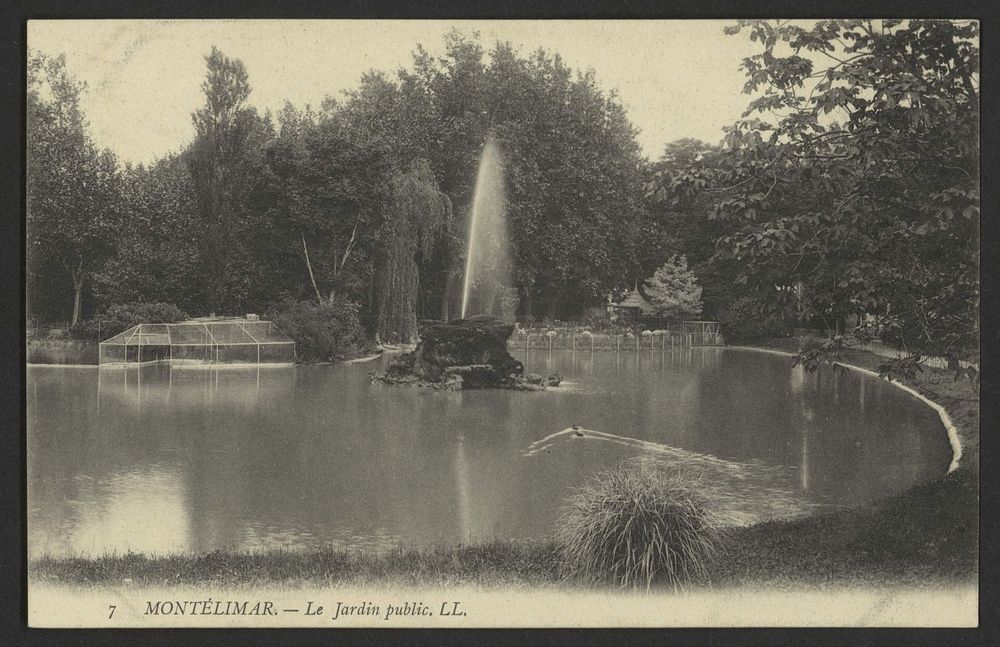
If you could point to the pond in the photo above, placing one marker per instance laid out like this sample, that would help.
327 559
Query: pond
190 460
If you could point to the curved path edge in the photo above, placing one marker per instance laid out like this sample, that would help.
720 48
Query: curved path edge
366 358
949 426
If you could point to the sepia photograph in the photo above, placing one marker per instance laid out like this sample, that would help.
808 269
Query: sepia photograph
502 323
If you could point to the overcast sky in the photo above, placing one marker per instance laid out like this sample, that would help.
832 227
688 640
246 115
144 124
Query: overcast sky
675 78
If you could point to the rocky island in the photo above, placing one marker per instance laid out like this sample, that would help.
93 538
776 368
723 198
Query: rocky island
464 354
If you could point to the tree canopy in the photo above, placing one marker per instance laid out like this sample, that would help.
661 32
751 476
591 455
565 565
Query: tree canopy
850 186
848 189
224 161
73 192
674 291
420 213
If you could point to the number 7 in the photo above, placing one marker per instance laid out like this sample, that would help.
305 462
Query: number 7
112 607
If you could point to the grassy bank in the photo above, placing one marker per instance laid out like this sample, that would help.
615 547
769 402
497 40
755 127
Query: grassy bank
61 351
924 537
493 563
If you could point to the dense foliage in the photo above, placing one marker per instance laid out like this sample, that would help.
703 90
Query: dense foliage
73 193
574 180
322 332
848 192
364 199
850 187
745 317
122 316
157 253
674 291
421 213
224 162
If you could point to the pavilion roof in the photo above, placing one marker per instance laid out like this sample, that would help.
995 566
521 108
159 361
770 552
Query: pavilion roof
635 300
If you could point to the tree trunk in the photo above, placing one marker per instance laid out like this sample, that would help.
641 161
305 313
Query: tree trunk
77 275
553 305
78 288
526 305
446 297
312 277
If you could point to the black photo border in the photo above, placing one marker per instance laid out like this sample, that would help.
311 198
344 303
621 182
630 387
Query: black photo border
13 593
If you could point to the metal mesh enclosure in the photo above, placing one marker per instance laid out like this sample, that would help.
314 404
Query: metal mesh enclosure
196 342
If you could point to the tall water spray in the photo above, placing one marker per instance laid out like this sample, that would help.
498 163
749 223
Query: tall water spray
487 285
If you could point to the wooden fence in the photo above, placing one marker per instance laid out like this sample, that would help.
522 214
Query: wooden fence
882 349
527 339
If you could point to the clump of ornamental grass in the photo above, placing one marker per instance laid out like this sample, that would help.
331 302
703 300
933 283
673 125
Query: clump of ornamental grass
640 524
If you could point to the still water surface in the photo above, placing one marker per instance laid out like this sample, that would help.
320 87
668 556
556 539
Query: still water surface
191 460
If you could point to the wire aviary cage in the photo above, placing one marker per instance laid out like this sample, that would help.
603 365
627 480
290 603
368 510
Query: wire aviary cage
200 343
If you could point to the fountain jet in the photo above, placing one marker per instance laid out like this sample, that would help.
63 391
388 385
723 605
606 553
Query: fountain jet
487 285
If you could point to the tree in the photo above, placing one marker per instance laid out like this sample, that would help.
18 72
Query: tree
679 219
157 256
850 185
224 162
673 290
573 167
575 183
323 198
418 212
73 191
331 202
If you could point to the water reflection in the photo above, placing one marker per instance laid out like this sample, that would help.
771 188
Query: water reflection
132 506
158 460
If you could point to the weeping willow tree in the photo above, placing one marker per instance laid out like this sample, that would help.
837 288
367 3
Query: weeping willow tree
418 214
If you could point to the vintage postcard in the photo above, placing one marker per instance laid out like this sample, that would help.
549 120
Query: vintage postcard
482 323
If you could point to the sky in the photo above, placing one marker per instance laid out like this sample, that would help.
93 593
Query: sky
676 78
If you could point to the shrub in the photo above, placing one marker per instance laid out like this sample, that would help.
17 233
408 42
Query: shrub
745 318
122 316
637 524
674 291
322 333
597 317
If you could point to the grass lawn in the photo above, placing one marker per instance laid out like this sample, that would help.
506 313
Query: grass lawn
489 564
925 537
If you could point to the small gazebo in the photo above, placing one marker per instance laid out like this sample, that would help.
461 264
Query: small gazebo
631 309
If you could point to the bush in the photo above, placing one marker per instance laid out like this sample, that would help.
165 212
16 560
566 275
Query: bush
597 318
637 524
322 333
674 291
120 317
743 318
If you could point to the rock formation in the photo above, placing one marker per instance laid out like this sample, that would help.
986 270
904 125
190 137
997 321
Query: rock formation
464 354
